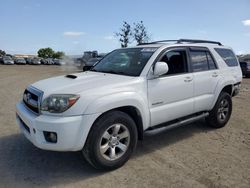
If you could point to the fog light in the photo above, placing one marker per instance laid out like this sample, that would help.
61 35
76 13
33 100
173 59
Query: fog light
50 136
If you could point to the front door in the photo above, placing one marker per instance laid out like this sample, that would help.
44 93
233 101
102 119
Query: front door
171 95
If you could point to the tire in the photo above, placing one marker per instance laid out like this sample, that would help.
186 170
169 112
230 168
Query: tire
221 112
105 146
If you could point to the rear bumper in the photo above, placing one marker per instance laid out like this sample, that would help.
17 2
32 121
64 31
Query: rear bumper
71 131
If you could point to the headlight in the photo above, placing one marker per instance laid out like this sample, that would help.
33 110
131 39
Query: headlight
58 103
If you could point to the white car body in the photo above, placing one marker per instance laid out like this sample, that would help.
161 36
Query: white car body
157 100
8 61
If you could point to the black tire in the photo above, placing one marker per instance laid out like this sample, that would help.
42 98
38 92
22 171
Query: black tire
91 150
215 118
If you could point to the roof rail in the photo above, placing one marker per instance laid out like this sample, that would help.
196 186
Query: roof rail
198 41
155 42
182 41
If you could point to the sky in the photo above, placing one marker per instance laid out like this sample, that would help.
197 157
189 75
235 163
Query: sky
75 26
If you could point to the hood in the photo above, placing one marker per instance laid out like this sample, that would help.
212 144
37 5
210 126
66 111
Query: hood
81 83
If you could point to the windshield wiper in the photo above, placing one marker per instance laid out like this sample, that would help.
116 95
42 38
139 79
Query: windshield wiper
115 72
93 70
111 72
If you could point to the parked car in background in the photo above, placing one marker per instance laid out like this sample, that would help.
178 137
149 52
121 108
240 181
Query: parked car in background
90 63
59 62
50 61
245 67
28 60
36 61
7 60
79 62
20 61
43 61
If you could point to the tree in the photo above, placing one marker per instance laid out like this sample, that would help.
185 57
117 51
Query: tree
140 33
45 53
58 54
124 35
2 53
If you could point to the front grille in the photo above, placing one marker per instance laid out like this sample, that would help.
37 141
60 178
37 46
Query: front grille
32 98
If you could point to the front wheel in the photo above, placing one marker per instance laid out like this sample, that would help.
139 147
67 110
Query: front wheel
220 114
111 141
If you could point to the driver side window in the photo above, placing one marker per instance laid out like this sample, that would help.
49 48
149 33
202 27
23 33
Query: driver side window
176 60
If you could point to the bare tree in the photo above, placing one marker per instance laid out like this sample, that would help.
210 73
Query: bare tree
140 33
125 35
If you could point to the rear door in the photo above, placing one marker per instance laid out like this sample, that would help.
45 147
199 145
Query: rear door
206 77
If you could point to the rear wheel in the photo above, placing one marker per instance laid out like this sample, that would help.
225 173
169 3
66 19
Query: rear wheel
111 141
220 114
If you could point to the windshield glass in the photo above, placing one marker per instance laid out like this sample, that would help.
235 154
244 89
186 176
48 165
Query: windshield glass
128 61
7 58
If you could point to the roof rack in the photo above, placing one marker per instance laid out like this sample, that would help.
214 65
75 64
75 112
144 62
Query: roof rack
199 41
183 41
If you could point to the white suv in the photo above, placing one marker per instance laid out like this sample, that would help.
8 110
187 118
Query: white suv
104 111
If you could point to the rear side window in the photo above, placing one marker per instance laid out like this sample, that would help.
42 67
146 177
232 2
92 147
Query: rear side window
228 56
199 61
211 62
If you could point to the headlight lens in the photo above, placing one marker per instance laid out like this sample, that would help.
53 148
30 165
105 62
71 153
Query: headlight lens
58 103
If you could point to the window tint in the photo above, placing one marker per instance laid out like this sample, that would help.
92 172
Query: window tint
176 60
228 56
211 62
199 61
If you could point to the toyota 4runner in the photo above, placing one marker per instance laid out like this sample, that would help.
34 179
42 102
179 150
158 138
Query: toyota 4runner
104 111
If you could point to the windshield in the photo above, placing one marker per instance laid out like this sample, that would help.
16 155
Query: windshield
7 58
129 61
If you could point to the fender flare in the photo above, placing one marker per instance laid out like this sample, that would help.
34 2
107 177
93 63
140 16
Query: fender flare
221 84
121 99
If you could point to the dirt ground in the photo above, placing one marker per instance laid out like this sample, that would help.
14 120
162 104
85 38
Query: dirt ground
188 156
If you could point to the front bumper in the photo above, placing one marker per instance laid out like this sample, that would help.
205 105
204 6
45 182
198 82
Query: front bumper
71 131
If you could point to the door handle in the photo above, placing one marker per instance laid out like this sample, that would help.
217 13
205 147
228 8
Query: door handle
215 74
188 79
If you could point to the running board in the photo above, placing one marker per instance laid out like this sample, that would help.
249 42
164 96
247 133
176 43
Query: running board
181 121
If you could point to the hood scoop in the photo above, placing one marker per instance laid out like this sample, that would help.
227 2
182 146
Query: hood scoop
71 76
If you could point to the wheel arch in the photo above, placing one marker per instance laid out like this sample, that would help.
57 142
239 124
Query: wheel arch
226 87
133 112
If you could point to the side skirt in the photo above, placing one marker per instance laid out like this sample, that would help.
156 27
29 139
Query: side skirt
180 121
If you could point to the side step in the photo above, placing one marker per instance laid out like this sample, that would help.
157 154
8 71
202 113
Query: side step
181 121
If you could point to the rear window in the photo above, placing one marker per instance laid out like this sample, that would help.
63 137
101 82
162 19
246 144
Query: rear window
228 56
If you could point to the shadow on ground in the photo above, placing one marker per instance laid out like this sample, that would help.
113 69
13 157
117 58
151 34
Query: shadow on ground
21 162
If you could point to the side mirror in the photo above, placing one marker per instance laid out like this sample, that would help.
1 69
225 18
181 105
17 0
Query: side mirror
160 68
